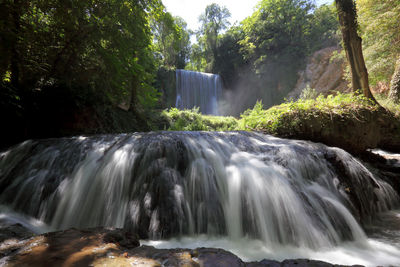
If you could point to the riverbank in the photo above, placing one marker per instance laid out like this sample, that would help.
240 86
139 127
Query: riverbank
348 121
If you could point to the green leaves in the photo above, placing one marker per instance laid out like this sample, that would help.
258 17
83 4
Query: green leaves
101 45
171 39
214 20
380 30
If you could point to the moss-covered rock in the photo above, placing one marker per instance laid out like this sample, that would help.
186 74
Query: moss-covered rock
349 121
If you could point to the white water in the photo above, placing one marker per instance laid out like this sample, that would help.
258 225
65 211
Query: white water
198 89
382 248
370 253
258 196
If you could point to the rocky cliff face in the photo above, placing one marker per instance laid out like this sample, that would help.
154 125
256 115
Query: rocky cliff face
322 74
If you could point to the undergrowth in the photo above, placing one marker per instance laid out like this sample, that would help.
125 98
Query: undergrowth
277 119
293 113
193 120
389 104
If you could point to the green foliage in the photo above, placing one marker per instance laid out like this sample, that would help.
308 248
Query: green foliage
198 60
103 46
324 26
229 60
213 21
278 25
388 103
64 63
291 115
171 39
192 120
281 119
265 52
308 93
394 92
380 30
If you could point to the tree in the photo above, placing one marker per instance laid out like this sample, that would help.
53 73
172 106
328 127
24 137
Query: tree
171 39
352 44
274 47
102 47
197 57
277 29
213 21
229 59
184 43
394 93
324 25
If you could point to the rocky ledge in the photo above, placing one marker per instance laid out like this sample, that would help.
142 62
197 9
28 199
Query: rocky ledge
112 247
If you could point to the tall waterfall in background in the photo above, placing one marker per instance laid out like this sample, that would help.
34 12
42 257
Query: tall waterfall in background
198 89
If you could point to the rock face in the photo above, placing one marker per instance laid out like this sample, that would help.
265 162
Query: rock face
116 247
322 74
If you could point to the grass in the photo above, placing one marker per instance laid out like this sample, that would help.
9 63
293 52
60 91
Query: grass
281 119
193 120
292 114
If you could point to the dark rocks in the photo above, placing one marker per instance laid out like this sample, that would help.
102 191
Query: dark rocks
122 238
293 263
71 247
16 231
12 238
115 247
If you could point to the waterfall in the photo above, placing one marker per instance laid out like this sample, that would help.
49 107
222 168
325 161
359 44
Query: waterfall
198 89
173 184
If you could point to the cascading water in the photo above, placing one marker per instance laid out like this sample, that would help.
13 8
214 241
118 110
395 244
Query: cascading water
228 186
198 89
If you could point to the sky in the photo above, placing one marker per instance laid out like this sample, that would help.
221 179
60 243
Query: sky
190 10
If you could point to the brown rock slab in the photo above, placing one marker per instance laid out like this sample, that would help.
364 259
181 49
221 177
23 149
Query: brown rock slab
116 247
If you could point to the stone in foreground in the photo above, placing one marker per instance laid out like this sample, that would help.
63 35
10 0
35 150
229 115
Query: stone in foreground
113 247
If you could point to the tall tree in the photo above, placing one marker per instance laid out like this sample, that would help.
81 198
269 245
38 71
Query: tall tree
213 21
100 46
352 44
184 43
171 38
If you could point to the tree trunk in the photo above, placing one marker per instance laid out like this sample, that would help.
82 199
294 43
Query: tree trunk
394 93
352 44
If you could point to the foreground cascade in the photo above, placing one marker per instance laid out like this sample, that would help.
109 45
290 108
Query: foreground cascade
170 184
198 89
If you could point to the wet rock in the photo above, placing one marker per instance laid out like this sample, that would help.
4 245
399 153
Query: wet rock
116 247
123 239
264 263
72 247
209 257
12 238
15 231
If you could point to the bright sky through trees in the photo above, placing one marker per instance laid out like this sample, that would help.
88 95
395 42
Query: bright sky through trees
190 10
